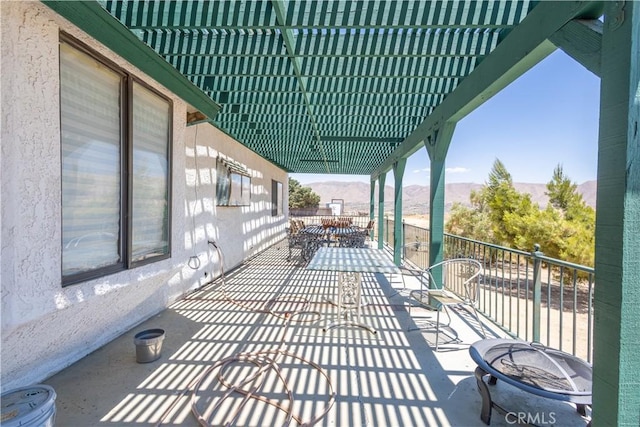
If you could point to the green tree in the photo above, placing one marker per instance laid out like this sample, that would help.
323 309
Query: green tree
561 191
302 197
579 219
473 222
545 227
500 214
506 206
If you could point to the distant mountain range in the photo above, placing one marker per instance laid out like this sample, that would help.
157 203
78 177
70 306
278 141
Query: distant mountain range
415 198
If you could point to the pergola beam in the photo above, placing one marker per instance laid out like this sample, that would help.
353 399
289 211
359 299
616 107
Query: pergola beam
581 39
289 42
526 45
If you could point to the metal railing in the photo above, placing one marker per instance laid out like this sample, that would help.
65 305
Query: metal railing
529 295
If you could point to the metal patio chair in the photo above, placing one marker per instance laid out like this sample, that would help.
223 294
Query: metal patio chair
352 239
460 287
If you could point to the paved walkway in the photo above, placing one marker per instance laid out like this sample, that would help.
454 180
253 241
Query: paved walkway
262 327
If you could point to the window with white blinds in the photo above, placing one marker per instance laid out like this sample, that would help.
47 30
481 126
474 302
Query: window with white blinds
97 158
91 168
150 175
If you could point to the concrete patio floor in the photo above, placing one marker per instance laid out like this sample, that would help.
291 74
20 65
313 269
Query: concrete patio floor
392 378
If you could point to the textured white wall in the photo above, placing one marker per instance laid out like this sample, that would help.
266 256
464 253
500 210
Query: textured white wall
46 327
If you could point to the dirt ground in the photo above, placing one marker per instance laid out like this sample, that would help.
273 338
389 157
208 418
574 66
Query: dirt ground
419 220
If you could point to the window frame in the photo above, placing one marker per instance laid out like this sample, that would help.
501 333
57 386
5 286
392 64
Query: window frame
125 235
136 263
225 195
277 198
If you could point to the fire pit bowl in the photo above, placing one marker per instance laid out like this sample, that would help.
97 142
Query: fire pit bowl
531 367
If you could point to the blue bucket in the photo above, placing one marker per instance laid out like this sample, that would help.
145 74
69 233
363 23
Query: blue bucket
32 406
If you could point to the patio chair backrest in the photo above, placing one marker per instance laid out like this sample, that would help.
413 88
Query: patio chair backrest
459 276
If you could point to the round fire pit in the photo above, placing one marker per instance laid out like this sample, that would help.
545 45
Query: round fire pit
531 367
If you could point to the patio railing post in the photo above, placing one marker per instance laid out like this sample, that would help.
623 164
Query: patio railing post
537 291
386 226
386 229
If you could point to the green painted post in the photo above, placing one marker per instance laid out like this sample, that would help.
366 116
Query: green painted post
436 217
372 205
437 145
436 212
398 174
616 360
386 229
537 291
381 180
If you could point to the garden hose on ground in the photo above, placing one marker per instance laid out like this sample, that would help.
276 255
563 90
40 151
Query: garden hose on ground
265 360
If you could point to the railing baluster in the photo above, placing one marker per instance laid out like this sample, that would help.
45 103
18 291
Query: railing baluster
509 309
526 302
502 286
537 292
575 313
589 319
487 283
404 233
518 296
549 284
494 285
561 307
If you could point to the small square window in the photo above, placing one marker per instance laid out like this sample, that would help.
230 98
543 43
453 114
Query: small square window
233 185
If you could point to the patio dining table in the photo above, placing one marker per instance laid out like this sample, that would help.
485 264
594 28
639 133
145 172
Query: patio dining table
319 230
313 237
350 263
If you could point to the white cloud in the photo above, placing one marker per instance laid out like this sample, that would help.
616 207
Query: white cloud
457 169
421 170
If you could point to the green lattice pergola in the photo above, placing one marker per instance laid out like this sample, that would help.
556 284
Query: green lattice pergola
323 86
327 86
356 87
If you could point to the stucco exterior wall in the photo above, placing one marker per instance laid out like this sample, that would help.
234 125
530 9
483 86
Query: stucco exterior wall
46 327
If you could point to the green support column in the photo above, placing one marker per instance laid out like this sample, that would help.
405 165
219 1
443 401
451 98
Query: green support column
381 180
398 174
437 144
616 367
372 204
436 212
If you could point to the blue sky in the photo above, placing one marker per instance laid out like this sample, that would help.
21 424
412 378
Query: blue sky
549 116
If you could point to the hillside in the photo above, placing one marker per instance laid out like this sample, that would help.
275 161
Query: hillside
415 198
